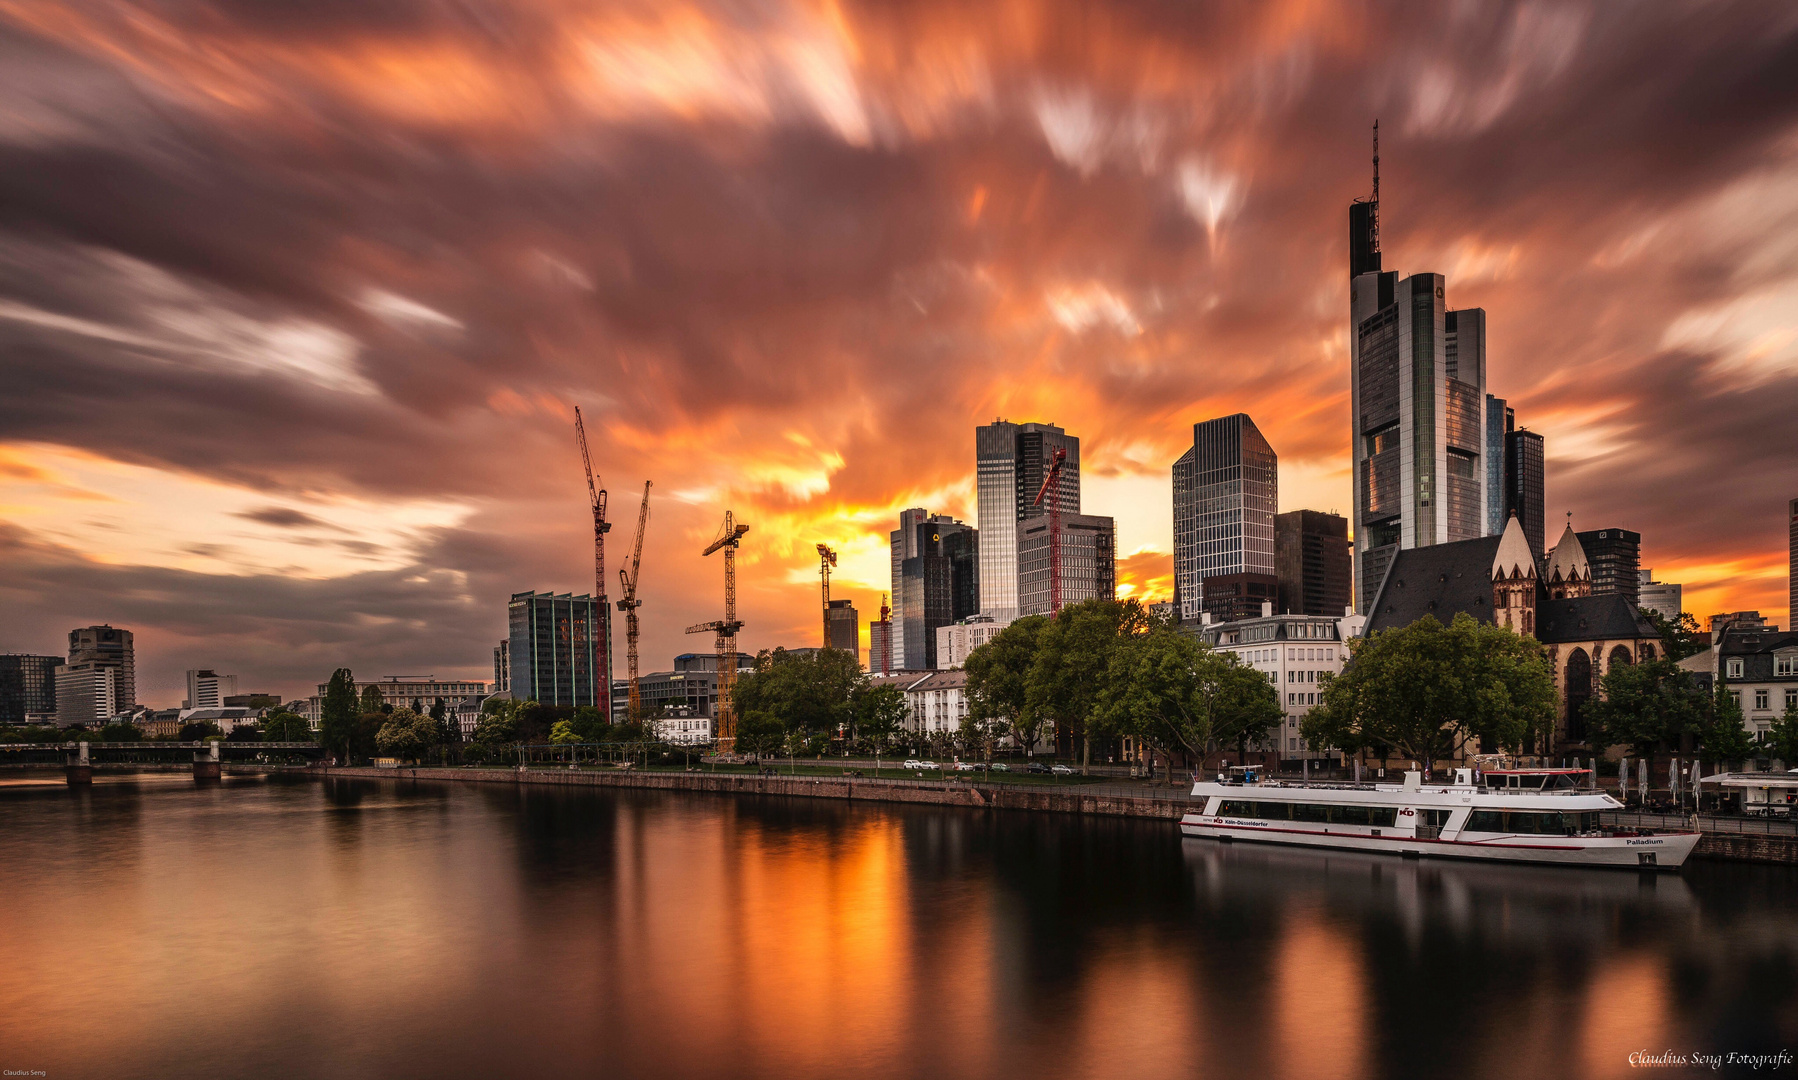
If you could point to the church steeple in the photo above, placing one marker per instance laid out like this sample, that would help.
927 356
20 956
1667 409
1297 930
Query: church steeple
1569 573
1514 580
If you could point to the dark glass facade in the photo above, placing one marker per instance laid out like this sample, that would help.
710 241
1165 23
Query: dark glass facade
940 585
27 687
1233 597
1523 485
554 649
1226 490
108 647
1615 557
1313 562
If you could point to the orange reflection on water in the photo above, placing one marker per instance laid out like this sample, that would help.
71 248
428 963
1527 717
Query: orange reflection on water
1320 1000
1139 1013
1625 1011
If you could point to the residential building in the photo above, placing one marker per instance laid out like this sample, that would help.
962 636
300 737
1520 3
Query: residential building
555 652
207 689
689 690
1010 461
1229 597
936 583
1226 491
1660 596
683 727
845 625
1616 558
1293 651
419 692
1524 484
227 718
502 667
161 723
108 647
1314 563
1499 419
1759 665
86 693
28 688
939 701
955 641
1088 561
1751 619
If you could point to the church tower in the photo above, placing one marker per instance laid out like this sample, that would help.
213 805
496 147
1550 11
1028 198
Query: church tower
1514 581
1569 575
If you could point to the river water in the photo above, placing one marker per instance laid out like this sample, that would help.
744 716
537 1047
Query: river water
385 929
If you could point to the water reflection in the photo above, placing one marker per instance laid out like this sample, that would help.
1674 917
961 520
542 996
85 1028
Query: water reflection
395 928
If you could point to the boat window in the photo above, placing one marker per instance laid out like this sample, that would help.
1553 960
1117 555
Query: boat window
1310 812
1530 822
1321 813
1434 819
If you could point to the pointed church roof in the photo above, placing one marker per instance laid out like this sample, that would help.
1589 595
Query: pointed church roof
1568 561
1514 559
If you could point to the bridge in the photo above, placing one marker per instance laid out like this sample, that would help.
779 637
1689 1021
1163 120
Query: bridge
78 760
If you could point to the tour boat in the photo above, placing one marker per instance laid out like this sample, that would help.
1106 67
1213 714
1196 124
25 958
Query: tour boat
1510 815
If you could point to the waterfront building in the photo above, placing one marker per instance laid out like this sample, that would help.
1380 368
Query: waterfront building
1010 461
502 667
938 701
936 581
690 690
1088 562
28 688
86 693
1616 559
555 651
1758 665
207 689
1226 491
1294 652
418 692
108 647
227 718
845 625
1524 484
1664 597
955 641
1313 562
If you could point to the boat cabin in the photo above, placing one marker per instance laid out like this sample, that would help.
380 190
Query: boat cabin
1536 779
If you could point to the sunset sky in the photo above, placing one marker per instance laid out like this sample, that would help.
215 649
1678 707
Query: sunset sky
296 299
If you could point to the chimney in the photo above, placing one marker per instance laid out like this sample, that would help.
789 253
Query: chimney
1267 609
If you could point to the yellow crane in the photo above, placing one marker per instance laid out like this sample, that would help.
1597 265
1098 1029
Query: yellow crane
726 629
602 638
630 604
826 559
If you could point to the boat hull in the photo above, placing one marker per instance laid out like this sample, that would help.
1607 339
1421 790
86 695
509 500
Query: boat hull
1661 851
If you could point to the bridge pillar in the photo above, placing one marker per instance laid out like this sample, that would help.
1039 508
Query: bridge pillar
78 770
208 767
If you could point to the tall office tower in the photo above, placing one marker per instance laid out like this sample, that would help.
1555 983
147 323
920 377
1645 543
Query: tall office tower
554 650
87 693
1615 556
1314 564
845 625
1418 382
1088 562
904 541
1009 462
207 689
1523 483
880 647
1662 596
502 666
1792 573
939 584
1226 489
28 688
1499 419
108 647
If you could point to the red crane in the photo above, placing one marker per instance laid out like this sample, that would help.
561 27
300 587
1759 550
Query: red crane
1052 489
596 495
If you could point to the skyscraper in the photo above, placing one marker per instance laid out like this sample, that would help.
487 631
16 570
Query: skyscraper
1417 375
1499 419
554 650
27 688
207 689
1088 561
1615 556
904 545
1314 564
845 625
86 693
937 582
1226 489
1524 486
1009 462
1792 572
111 648
1662 596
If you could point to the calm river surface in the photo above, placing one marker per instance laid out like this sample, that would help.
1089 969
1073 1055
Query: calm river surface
386 929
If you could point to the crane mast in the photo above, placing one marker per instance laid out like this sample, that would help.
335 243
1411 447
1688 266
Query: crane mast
596 495
629 605
826 559
1052 489
726 630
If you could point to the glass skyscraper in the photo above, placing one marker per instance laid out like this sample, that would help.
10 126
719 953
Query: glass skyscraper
553 649
1009 461
1226 490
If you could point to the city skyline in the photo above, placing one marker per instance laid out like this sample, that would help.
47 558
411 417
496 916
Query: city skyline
293 355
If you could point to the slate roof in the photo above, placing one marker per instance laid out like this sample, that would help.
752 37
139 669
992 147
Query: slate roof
1438 580
1590 618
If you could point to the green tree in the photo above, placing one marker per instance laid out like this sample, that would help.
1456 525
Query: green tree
339 715
1160 687
589 723
406 734
760 733
563 732
284 726
1679 635
199 731
1427 689
880 713
121 733
1072 655
1247 708
498 725
999 679
1722 735
373 700
805 692
1782 737
1645 705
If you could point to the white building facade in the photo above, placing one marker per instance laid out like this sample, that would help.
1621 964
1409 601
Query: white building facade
955 641
1294 652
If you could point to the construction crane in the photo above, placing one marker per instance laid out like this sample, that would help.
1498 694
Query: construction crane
1052 489
603 643
826 559
726 629
630 604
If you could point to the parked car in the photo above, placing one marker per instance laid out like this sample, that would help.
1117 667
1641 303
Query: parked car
1061 770
914 763
930 765
967 766
1000 766
1036 767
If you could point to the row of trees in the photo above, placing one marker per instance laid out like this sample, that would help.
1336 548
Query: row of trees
1658 705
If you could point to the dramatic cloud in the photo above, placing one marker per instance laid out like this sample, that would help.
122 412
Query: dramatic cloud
296 299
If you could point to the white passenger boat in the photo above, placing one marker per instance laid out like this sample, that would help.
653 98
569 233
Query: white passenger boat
1509 815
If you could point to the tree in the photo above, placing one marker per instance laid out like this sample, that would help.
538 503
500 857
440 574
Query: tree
1722 736
339 714
1645 705
1154 688
406 734
999 679
1679 635
121 733
760 733
244 733
880 713
1246 708
1427 689
563 732
199 731
1782 736
283 726
811 693
498 725
1072 654
589 723
373 700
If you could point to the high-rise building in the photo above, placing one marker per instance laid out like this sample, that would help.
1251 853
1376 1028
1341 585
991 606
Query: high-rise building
1499 419
86 693
936 582
1314 564
108 647
1010 461
880 647
1792 573
1615 556
28 688
1232 597
1417 373
1662 596
1523 483
1226 490
502 667
1088 562
554 649
845 625
207 689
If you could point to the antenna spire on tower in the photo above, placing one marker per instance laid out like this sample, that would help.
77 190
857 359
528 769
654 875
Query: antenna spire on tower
1376 185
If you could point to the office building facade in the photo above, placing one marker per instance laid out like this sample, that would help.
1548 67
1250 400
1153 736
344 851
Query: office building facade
502 667
1010 461
1499 419
1088 562
207 689
880 646
1314 563
1229 597
1615 556
955 641
1524 486
845 626
687 693
86 694
1293 652
1792 578
113 648
28 688
554 649
1226 492
935 583
1663 597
